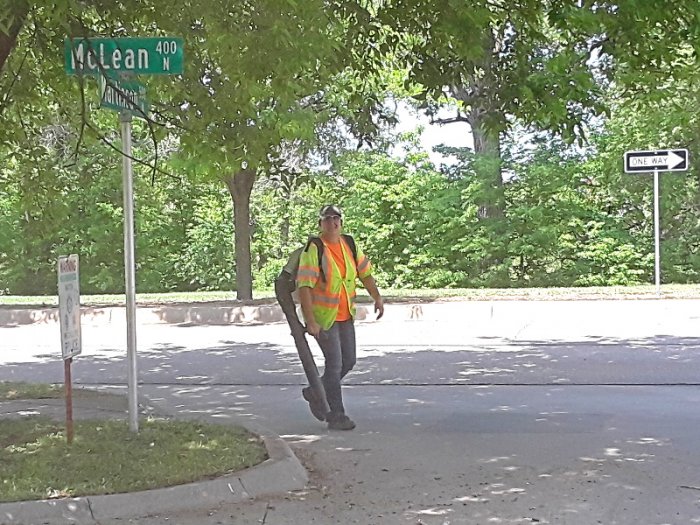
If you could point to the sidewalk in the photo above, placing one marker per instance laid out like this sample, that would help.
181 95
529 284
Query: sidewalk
280 473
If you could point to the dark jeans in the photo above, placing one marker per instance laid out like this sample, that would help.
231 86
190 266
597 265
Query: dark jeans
338 346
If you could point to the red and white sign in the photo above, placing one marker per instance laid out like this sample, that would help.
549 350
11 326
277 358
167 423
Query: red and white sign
69 306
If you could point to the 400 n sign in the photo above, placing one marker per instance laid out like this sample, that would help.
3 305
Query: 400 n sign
104 56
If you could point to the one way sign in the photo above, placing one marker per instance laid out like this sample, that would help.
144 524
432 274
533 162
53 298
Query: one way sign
660 160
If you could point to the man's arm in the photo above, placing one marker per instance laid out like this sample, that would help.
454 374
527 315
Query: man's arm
371 287
307 308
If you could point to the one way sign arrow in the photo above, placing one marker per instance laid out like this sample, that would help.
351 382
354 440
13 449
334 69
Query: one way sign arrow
660 160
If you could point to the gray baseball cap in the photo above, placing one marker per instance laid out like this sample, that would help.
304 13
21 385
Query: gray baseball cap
330 210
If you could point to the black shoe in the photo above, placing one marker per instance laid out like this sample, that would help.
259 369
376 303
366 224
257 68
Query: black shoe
341 423
314 404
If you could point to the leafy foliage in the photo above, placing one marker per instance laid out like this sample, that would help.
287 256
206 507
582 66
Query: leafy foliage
290 84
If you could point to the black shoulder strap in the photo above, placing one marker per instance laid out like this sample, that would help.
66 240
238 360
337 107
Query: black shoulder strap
353 247
319 246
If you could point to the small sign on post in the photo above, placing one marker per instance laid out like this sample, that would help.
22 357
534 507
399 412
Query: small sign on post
658 160
69 305
123 95
69 319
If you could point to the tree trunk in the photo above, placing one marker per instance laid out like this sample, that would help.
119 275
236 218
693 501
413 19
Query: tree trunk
240 186
284 231
487 148
18 15
486 142
486 122
288 190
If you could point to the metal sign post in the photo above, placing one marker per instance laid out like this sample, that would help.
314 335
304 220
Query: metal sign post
656 161
657 240
68 383
130 273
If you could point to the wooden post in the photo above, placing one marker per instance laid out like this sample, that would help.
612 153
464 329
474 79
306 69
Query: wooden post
69 400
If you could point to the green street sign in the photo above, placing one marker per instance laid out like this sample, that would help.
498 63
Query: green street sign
143 56
123 95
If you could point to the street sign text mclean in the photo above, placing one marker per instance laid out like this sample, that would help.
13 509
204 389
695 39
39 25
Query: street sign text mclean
658 160
146 56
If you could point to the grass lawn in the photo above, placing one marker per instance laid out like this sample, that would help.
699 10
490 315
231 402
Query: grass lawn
106 458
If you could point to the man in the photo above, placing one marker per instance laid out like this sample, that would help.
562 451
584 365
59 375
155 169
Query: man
327 296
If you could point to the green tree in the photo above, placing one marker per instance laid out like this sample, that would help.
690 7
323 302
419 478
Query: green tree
543 63
563 232
258 77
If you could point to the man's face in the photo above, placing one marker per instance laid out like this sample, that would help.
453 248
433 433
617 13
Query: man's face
331 224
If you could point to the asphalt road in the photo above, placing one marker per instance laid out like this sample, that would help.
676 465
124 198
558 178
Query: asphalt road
519 412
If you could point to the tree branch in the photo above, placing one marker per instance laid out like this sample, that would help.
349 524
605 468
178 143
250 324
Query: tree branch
107 142
15 76
441 121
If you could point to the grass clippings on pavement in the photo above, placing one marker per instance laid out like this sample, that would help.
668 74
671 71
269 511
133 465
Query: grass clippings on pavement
10 391
107 458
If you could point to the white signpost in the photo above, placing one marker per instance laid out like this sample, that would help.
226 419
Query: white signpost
69 317
655 161
69 306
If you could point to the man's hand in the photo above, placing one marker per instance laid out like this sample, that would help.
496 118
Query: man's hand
371 286
313 328
379 307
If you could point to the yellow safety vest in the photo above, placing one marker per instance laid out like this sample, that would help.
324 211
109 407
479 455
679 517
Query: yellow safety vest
326 294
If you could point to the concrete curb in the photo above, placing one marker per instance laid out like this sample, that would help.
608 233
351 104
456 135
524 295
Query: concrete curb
175 314
232 314
170 314
281 472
